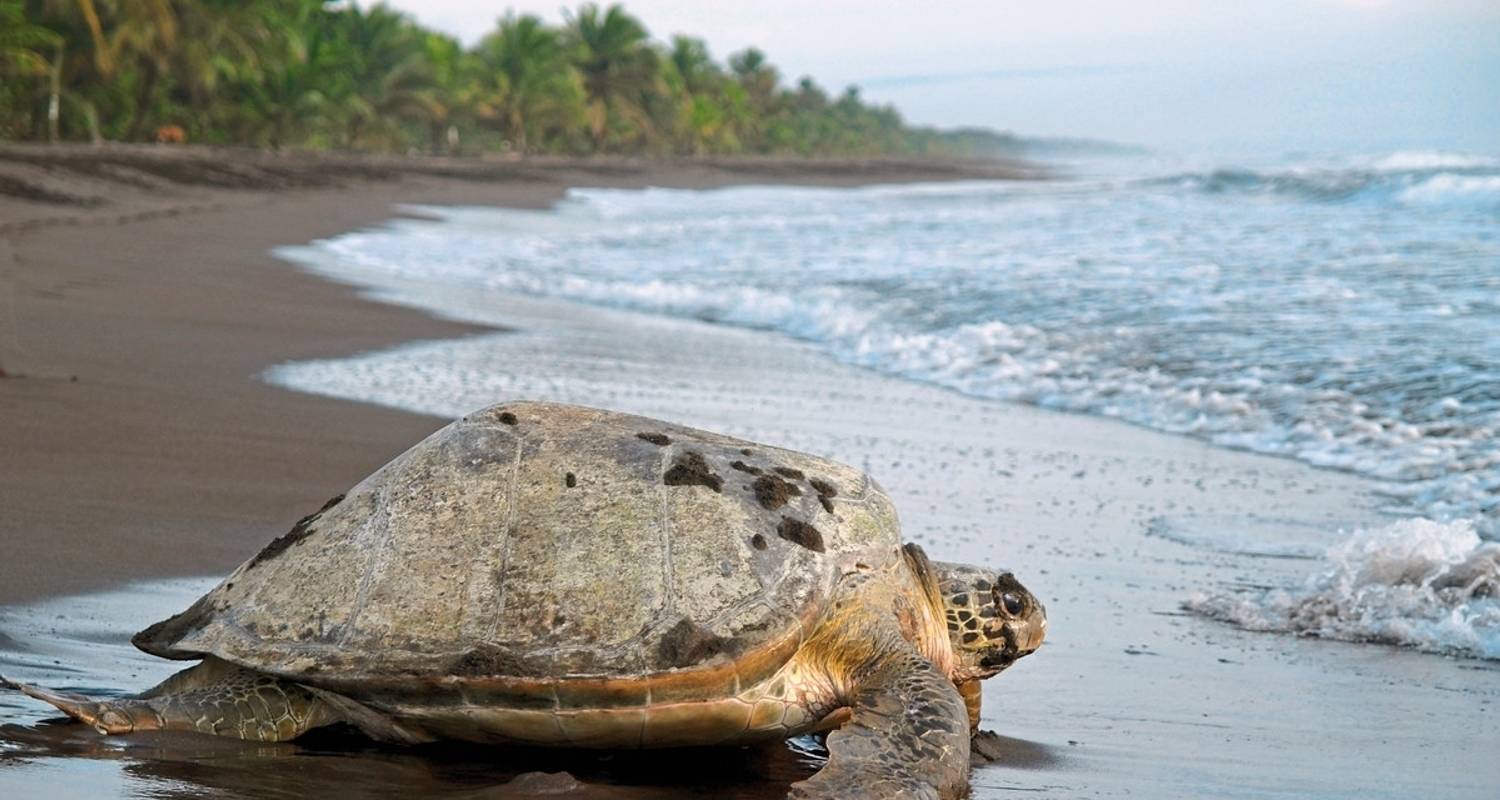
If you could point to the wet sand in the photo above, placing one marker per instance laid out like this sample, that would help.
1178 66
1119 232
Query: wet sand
1129 697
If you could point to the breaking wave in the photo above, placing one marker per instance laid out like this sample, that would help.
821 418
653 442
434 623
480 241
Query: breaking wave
1407 178
1416 583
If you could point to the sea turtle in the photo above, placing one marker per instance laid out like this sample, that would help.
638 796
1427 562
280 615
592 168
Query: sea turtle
557 575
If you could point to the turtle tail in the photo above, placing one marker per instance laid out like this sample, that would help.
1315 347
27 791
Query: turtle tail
104 717
213 697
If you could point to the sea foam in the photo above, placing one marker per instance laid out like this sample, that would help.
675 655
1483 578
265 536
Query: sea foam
1417 583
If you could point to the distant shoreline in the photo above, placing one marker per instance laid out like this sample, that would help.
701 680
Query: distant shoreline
71 178
145 272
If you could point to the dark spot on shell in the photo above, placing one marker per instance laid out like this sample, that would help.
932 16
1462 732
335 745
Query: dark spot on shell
658 439
507 418
570 480
794 474
758 542
965 615
981 585
799 532
300 531
953 626
960 599
688 643
743 467
691 470
826 492
970 638
773 492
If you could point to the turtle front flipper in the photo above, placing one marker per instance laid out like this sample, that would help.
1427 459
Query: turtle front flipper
908 737
213 697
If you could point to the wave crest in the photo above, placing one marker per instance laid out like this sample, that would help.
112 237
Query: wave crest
1415 178
1416 583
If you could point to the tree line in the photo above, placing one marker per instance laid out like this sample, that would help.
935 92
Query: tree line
312 74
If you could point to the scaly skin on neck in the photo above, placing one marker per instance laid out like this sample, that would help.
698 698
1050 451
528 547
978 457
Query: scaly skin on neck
874 610
954 615
898 662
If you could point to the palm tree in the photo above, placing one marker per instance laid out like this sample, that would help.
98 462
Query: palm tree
24 53
450 96
223 41
144 34
23 45
527 86
756 74
618 67
381 68
288 91
759 80
689 56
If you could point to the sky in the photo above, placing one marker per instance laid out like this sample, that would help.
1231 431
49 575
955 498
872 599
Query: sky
1192 76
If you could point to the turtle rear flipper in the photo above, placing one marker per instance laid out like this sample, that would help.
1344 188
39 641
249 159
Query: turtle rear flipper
213 697
908 737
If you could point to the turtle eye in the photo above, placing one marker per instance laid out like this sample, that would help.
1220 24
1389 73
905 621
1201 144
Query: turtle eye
1012 604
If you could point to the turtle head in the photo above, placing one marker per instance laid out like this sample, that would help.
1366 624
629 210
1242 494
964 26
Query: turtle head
992 619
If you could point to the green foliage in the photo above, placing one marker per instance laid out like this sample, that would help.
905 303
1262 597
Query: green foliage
306 73
27 53
525 84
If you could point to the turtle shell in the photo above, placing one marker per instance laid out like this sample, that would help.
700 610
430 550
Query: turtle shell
546 543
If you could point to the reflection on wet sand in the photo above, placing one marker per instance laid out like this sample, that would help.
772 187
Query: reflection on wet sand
67 760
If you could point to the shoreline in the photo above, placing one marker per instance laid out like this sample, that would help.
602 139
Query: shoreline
65 184
140 440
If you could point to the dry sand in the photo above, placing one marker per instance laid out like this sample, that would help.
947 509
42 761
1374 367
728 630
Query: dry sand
169 457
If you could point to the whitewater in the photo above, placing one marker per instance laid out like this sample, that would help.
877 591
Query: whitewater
1341 311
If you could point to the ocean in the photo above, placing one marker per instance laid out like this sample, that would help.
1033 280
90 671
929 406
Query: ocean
1343 311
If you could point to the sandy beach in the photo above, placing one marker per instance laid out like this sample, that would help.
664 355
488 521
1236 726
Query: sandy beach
151 435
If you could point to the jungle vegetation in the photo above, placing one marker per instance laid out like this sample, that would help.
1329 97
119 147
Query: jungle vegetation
312 74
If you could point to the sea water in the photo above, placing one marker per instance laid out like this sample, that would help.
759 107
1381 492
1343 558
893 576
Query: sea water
1342 311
